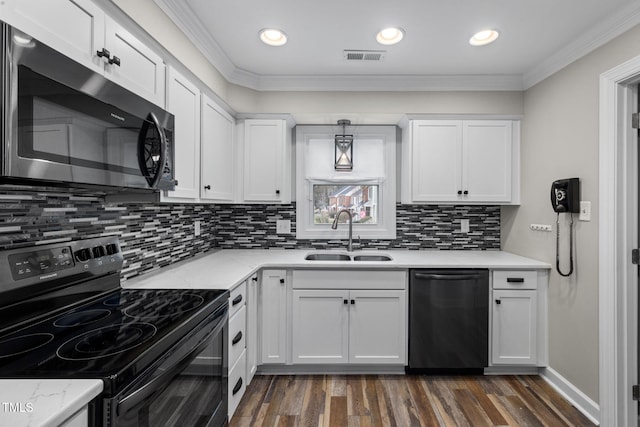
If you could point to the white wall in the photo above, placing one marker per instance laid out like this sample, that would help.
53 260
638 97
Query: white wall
560 140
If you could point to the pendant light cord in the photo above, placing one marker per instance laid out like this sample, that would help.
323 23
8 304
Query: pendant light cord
570 246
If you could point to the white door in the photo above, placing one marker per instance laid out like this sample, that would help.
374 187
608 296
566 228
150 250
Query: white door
320 325
435 160
486 162
72 27
273 316
217 152
140 69
252 327
514 329
377 327
183 101
263 160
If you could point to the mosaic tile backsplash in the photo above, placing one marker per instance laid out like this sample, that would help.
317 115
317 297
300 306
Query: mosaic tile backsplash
151 235
417 227
156 235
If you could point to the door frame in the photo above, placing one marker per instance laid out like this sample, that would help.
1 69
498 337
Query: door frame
618 234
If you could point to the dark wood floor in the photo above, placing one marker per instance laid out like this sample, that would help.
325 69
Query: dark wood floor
395 400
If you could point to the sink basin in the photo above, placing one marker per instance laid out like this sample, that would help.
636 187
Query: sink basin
372 258
328 257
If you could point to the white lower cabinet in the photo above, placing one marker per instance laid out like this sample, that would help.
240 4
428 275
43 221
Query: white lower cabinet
252 327
349 326
514 327
273 316
355 326
79 419
237 351
519 318
320 326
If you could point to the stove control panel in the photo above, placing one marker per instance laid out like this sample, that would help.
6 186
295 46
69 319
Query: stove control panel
43 263
40 262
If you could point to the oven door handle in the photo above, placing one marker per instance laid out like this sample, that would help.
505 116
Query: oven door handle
159 383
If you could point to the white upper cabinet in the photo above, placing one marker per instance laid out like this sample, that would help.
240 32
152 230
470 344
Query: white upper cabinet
461 161
75 28
217 153
183 100
266 174
82 31
132 64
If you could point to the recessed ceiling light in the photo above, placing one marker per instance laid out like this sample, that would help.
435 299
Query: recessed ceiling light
273 37
389 36
484 37
23 40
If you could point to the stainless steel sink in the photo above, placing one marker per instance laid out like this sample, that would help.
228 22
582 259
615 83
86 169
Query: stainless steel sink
372 258
328 257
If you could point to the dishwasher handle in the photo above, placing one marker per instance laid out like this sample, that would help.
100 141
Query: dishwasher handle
435 276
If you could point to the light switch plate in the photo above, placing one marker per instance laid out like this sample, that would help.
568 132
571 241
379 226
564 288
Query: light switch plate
283 226
464 225
196 228
585 211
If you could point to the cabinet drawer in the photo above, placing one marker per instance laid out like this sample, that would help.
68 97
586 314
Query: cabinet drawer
237 335
349 279
237 383
515 279
237 298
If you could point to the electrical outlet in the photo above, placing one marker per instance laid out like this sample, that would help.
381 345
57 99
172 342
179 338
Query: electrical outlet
196 228
464 225
540 227
585 211
283 226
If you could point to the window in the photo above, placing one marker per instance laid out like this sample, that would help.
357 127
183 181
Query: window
361 201
367 192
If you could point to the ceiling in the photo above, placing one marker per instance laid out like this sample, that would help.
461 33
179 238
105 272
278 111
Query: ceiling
537 38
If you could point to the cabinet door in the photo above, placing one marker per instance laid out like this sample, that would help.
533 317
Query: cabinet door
141 70
273 315
377 327
514 330
320 326
252 327
183 100
72 27
487 160
264 151
217 152
435 160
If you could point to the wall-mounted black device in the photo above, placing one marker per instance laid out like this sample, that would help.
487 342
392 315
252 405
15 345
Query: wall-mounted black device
565 195
565 198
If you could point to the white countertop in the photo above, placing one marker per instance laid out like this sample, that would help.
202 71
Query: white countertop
224 269
44 403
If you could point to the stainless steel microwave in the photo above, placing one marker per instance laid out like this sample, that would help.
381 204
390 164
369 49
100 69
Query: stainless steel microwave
64 124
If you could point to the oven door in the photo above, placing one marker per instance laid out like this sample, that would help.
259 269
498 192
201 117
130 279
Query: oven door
186 387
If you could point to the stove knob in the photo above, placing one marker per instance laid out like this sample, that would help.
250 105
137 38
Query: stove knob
112 249
83 255
99 251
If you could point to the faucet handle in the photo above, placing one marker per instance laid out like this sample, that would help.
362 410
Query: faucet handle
359 242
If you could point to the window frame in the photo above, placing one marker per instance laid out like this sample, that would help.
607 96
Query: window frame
385 180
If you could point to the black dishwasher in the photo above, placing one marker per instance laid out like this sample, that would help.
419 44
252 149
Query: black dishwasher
448 321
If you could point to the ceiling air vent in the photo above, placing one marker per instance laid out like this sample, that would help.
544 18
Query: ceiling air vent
364 55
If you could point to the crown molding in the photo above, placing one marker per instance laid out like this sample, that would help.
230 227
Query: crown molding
382 83
600 34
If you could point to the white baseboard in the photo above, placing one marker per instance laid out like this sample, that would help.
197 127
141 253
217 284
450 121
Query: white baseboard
577 398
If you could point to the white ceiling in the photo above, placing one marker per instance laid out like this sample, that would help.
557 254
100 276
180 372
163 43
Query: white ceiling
538 37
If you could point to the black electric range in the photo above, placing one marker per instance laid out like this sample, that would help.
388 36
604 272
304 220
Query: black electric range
64 315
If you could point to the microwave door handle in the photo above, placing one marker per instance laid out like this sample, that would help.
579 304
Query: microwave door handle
159 383
153 183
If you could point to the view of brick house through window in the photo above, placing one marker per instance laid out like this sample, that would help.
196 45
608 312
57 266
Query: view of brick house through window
360 200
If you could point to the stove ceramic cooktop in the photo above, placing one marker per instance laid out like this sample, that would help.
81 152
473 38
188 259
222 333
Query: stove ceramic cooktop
112 337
